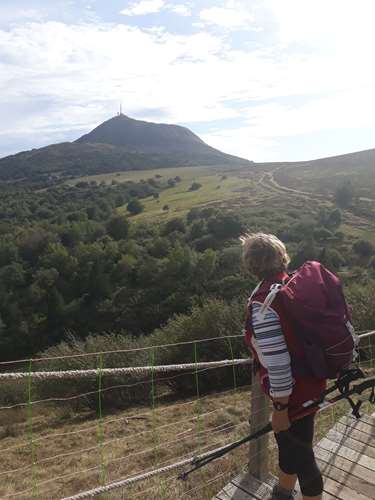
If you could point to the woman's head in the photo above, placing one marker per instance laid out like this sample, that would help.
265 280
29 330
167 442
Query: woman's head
264 254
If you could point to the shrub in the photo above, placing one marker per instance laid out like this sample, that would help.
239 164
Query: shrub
195 186
172 225
118 227
118 391
359 296
215 318
135 206
363 248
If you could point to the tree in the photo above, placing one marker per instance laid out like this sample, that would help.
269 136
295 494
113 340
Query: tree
344 194
331 258
175 224
193 214
118 227
364 248
8 251
334 219
58 258
33 242
12 275
306 251
195 186
159 248
135 206
224 225
197 230
56 308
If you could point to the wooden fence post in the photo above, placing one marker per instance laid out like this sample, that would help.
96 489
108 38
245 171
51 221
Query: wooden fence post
259 417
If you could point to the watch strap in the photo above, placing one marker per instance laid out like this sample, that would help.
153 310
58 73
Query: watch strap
280 406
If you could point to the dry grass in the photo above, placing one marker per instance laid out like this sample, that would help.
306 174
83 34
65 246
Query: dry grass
70 457
133 441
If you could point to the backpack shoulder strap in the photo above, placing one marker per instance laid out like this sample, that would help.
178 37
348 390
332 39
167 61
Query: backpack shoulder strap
274 290
254 292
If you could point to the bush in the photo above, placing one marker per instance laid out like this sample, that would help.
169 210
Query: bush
364 248
359 296
118 227
135 206
195 186
129 391
172 225
215 318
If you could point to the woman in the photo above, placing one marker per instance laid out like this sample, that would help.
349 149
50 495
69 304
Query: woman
276 349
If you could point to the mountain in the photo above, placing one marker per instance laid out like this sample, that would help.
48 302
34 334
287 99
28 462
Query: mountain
120 143
145 137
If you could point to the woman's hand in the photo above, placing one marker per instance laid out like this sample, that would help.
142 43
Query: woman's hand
280 420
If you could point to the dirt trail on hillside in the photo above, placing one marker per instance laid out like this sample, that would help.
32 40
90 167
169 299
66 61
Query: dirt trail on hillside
268 181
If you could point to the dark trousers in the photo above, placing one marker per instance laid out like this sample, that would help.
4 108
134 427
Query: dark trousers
296 455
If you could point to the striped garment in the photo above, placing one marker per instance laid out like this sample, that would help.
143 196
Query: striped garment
269 342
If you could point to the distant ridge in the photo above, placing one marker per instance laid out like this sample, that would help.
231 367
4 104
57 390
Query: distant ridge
120 143
365 159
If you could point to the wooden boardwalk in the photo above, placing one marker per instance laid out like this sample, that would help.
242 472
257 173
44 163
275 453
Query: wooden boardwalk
346 457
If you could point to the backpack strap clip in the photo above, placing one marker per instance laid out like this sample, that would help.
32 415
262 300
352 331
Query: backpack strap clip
274 290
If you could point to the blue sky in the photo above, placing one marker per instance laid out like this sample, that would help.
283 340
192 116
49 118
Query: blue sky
268 80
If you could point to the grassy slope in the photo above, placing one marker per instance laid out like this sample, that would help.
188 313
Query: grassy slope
179 199
134 441
248 190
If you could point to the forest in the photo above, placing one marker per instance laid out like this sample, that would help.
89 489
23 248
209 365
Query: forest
76 261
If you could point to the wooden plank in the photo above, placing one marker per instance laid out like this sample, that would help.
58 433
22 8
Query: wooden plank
245 487
253 487
358 425
344 464
343 477
367 419
363 448
233 493
354 434
344 452
342 492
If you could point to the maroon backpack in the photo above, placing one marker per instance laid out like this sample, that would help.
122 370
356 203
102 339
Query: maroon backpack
313 299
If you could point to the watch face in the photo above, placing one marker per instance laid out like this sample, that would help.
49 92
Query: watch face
280 406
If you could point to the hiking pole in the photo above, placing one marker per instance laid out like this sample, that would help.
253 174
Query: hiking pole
321 404
199 462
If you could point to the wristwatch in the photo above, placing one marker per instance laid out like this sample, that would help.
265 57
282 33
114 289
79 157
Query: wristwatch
280 406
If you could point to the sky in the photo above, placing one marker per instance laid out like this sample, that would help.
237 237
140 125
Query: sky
267 80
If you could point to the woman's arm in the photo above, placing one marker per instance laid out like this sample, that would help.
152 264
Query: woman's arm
270 344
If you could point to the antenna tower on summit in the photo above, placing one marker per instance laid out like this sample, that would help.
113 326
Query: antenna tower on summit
120 112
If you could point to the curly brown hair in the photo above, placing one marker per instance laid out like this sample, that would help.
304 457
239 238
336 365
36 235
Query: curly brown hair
264 254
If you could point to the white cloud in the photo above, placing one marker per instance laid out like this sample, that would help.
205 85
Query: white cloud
338 22
343 110
179 9
242 142
233 15
12 14
143 7
268 125
57 77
